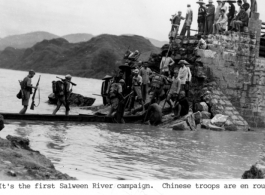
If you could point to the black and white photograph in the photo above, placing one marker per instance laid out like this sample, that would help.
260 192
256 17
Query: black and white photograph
132 90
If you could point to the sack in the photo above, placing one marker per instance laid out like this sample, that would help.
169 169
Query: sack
58 88
19 95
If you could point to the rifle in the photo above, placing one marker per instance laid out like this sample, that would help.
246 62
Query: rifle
67 81
34 94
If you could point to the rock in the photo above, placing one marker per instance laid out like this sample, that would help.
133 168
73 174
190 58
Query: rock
213 101
2 126
18 160
19 142
182 126
197 117
12 173
219 120
191 121
230 126
204 106
205 123
205 115
217 109
255 172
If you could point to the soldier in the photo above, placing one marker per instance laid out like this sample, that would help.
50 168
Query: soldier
26 88
63 93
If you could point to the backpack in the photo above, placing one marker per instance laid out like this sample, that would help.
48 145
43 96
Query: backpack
58 88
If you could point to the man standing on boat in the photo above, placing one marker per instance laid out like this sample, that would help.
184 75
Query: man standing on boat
64 95
174 90
145 72
116 98
137 82
26 88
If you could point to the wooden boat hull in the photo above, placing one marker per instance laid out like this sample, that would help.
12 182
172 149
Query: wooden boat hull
70 118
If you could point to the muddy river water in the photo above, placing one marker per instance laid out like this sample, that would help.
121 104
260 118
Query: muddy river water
95 151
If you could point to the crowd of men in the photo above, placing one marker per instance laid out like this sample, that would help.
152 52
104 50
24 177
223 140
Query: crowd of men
170 84
213 19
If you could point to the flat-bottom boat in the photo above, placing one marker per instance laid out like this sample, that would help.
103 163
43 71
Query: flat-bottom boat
70 118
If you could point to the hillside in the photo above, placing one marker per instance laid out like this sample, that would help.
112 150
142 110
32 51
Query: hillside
79 37
25 40
94 58
157 43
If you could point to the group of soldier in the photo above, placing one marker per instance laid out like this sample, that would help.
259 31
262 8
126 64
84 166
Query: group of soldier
214 20
140 84
62 94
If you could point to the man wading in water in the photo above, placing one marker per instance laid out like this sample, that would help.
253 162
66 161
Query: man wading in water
26 88
62 93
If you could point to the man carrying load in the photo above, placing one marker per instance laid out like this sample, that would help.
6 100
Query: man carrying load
62 90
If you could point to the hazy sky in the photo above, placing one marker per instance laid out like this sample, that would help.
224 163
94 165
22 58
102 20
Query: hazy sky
149 18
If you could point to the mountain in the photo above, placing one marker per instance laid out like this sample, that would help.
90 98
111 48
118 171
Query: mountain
157 43
99 56
25 40
79 37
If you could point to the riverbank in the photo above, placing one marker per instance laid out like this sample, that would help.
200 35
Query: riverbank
257 171
19 162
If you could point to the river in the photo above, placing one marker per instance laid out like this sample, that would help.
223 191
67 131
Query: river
110 152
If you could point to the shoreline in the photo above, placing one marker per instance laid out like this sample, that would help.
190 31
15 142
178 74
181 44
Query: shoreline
19 162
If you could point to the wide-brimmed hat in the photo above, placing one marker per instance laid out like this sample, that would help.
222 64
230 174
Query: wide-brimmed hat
183 62
121 81
107 77
136 71
200 2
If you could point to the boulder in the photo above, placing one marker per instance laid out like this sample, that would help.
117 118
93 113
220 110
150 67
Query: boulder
182 126
255 172
219 120
205 115
230 126
205 123
197 117
217 109
19 142
191 121
204 106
